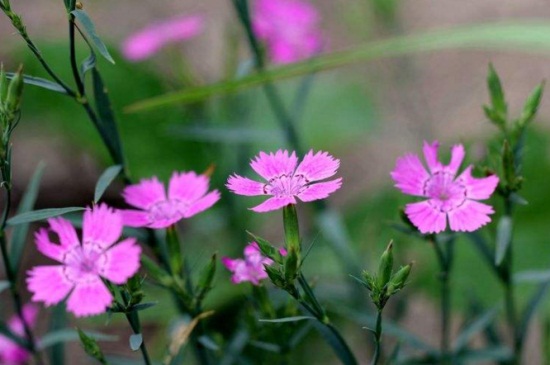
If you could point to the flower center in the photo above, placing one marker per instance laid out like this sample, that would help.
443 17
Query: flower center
285 186
84 262
444 192
167 210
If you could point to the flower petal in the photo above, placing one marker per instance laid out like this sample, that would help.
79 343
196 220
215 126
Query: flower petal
274 204
65 231
101 225
202 204
48 248
134 218
244 186
144 194
187 186
478 188
275 164
426 217
457 156
470 216
320 190
410 175
122 261
317 166
430 154
48 284
89 298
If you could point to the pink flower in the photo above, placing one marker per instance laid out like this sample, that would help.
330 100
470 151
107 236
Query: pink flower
448 196
251 268
10 352
285 181
84 263
290 29
151 39
187 196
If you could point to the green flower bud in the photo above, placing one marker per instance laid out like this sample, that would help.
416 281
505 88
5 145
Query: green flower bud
206 277
275 276
3 87
385 267
399 280
292 263
15 92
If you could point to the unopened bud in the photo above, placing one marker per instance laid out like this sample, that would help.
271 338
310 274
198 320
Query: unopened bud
15 91
275 276
385 267
399 280
292 263
3 86
206 277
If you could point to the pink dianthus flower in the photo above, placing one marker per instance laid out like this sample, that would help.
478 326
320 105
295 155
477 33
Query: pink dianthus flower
448 196
84 263
10 352
285 181
290 28
251 268
187 195
148 41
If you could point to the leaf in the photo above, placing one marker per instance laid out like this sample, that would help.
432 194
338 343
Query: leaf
88 64
89 26
496 93
70 335
338 344
473 328
40 82
271 347
143 306
105 180
225 135
38 215
28 200
135 341
500 353
287 319
532 276
528 37
4 284
532 306
209 343
106 125
235 347
504 238
91 347
531 106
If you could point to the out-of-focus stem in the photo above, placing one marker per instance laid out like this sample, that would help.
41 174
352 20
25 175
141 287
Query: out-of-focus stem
445 260
377 338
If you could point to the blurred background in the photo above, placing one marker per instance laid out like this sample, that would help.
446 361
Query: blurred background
367 114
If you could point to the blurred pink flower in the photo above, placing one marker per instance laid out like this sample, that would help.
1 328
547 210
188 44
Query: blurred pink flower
187 196
148 41
10 352
251 268
448 196
84 263
285 181
290 28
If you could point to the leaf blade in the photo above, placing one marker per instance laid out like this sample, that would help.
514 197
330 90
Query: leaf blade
41 214
106 178
89 26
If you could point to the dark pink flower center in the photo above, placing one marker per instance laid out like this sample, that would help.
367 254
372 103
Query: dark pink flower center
167 210
84 262
285 186
444 192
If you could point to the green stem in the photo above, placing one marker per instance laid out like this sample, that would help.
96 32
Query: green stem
291 227
133 320
377 338
445 260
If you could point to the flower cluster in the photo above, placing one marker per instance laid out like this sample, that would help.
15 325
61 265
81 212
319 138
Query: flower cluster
10 352
250 268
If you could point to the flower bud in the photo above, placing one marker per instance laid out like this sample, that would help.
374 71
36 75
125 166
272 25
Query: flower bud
399 280
3 86
206 277
275 276
292 263
15 91
385 267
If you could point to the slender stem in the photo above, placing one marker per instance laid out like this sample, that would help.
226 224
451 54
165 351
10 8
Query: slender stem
133 320
74 66
377 338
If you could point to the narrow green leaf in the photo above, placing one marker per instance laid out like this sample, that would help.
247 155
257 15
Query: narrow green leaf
532 276
91 347
475 327
504 238
135 341
70 335
106 126
88 64
287 319
105 180
338 344
40 82
527 37
20 231
271 347
38 215
530 310
235 347
144 306
209 343
225 135
500 353
4 284
89 26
